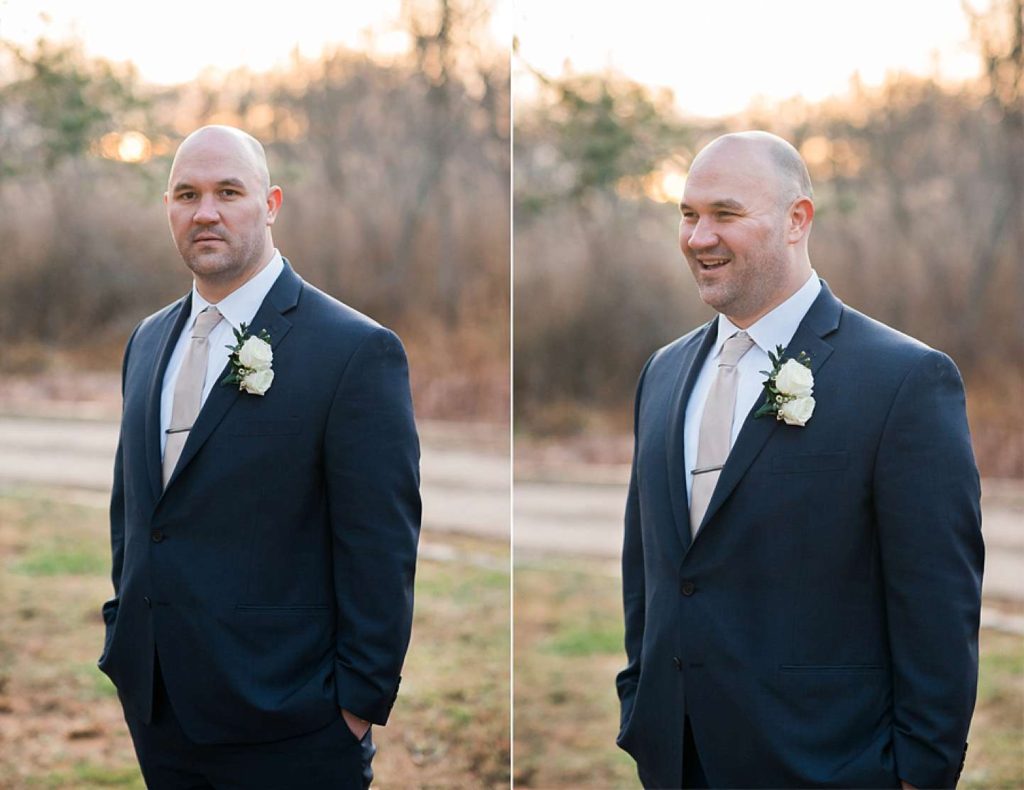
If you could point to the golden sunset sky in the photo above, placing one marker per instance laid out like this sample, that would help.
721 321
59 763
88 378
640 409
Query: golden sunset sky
175 42
717 57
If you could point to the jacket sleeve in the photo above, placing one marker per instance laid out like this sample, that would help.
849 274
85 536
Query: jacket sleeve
633 589
372 455
927 503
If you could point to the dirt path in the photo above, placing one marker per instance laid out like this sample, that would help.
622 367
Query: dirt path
574 510
465 469
581 511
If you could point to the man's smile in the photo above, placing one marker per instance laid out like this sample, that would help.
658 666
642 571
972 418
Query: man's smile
707 262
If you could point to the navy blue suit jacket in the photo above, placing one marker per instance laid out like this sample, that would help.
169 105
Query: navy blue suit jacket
274 575
821 629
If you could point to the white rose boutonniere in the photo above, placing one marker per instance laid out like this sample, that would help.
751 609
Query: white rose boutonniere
797 411
257 382
251 362
788 389
255 354
794 379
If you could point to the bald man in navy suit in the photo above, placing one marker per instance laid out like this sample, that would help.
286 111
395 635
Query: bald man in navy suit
264 552
801 610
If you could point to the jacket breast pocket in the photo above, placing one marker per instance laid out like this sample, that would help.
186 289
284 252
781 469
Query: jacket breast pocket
810 462
831 669
286 427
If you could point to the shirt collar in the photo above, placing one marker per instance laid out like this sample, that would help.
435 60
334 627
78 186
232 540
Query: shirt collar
240 306
777 327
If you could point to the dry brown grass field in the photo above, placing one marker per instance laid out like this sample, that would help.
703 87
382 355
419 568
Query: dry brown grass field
568 647
60 721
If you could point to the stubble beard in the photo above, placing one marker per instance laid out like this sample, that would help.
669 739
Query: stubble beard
226 265
749 288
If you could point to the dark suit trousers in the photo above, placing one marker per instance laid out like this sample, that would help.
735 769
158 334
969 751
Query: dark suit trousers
330 757
693 771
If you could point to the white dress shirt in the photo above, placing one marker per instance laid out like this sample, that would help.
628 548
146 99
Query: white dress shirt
773 329
239 307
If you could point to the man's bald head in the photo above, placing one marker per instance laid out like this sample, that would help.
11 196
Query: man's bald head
226 141
778 156
220 205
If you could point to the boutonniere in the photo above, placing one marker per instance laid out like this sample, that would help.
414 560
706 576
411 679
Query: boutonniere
251 362
788 389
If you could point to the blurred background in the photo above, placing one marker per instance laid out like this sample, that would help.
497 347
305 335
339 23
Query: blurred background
392 151
388 126
911 119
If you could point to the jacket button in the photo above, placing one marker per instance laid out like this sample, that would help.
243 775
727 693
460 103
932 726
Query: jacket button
156 535
677 662
688 588
148 602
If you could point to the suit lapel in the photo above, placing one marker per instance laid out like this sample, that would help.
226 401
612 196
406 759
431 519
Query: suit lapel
283 296
693 357
175 323
821 320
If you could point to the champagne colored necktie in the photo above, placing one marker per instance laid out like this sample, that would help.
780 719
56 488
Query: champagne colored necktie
716 427
188 389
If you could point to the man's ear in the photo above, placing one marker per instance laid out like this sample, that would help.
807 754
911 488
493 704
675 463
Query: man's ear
798 222
274 199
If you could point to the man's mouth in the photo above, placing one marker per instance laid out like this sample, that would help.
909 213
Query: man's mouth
206 237
708 264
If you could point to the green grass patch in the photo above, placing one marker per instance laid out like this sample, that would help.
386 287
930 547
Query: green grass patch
453 583
995 758
568 643
43 536
93 684
455 683
1004 660
90 776
63 561
582 641
999 666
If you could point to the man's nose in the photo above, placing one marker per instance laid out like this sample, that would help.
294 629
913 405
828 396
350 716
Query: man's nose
206 212
702 237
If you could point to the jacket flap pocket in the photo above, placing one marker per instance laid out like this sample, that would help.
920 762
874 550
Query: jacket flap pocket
286 427
810 462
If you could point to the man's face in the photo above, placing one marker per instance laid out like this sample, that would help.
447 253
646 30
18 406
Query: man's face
218 209
733 232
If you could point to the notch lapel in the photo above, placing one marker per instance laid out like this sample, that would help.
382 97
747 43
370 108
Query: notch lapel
282 297
821 320
692 359
169 339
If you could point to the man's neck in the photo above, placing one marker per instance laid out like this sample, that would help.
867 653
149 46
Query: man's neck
792 286
215 291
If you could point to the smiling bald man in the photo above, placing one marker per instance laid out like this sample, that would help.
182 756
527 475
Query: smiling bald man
801 564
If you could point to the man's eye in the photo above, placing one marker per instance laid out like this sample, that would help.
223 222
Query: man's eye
689 215
186 195
229 192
